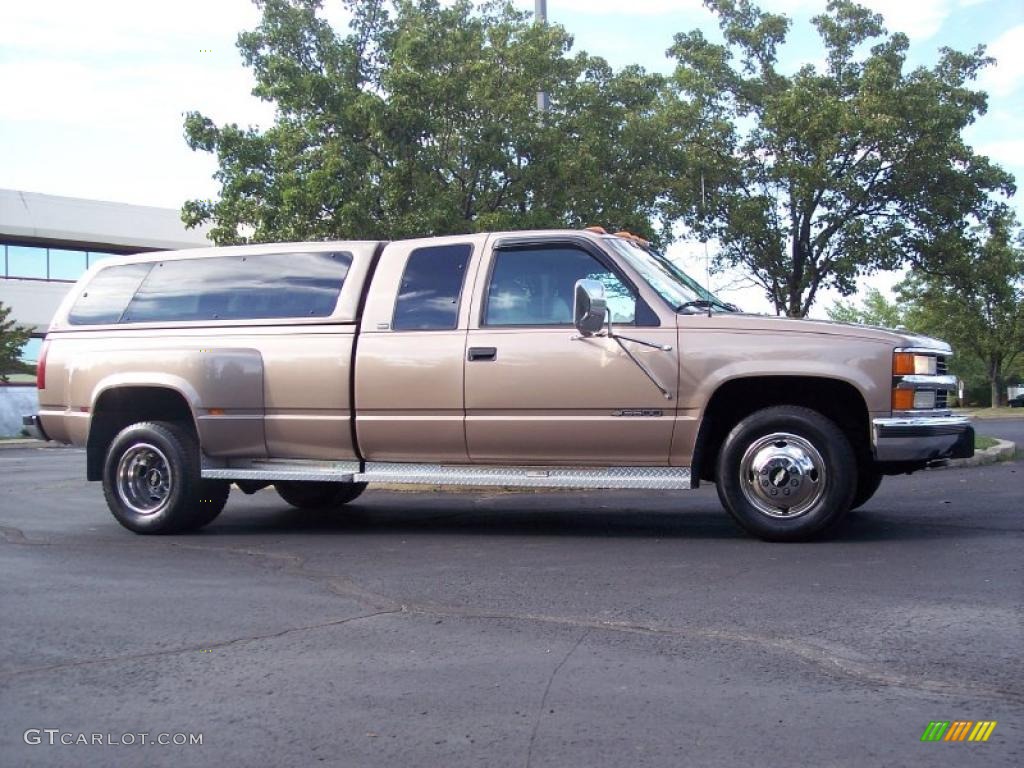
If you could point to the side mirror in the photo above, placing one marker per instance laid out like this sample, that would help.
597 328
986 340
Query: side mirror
590 307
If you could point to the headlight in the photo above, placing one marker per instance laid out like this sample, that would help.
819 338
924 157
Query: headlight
920 381
924 400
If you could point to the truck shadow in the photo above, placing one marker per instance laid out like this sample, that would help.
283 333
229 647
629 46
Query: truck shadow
570 516
514 514
878 524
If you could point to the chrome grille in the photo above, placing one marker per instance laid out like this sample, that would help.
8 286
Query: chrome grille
940 365
941 398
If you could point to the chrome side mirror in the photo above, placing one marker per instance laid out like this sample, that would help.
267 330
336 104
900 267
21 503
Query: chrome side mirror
589 307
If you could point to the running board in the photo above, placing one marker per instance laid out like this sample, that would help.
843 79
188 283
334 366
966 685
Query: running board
281 469
637 478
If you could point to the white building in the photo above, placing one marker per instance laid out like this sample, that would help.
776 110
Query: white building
46 243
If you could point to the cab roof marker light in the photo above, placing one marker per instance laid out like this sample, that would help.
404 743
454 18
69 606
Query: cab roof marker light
630 236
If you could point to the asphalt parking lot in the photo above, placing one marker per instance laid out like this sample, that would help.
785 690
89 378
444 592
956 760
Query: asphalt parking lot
527 629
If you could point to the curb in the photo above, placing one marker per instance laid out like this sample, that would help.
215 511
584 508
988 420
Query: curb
1003 450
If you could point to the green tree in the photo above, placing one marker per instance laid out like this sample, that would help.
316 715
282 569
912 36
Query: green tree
12 338
976 300
423 120
875 310
838 171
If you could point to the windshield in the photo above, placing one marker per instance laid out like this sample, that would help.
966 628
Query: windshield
675 286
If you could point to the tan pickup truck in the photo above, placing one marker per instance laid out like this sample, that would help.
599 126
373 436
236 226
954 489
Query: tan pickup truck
557 359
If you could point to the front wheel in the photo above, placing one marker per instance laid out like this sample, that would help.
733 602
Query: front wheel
308 495
868 481
786 473
152 481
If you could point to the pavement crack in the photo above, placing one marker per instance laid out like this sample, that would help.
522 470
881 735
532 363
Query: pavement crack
547 690
826 661
12 535
295 565
191 648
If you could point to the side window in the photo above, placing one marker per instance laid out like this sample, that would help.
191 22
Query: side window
428 296
252 287
536 286
107 295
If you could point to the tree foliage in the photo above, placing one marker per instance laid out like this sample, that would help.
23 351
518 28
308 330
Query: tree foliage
875 310
423 120
976 300
838 171
12 338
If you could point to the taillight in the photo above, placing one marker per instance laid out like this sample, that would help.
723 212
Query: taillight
41 366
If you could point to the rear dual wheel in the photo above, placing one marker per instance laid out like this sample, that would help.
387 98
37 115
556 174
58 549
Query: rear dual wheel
152 481
310 495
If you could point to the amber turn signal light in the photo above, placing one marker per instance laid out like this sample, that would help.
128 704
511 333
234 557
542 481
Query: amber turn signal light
903 399
903 363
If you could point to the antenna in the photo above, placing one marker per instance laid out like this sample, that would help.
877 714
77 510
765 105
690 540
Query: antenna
707 259
540 16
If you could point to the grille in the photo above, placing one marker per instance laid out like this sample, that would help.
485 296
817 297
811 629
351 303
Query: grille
941 398
940 365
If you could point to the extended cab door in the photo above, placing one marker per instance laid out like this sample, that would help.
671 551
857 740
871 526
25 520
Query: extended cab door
537 394
412 344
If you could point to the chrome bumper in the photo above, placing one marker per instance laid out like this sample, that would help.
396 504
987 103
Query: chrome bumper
922 438
34 427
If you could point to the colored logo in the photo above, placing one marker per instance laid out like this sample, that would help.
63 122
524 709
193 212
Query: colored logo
958 730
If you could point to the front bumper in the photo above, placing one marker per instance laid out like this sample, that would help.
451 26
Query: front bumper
922 438
34 427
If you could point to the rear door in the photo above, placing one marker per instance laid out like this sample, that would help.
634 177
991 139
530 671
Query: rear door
411 350
535 392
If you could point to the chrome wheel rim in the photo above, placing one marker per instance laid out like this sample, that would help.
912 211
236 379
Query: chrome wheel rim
144 480
783 475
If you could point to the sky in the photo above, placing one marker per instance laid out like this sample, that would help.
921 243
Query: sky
94 93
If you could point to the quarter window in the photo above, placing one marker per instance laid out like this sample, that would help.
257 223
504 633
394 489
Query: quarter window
428 297
536 286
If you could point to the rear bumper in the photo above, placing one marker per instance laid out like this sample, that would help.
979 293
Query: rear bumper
34 427
922 438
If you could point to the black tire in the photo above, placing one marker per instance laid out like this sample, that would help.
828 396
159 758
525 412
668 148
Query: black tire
786 455
868 481
152 482
309 495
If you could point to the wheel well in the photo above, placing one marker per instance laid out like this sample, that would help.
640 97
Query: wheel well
116 408
736 399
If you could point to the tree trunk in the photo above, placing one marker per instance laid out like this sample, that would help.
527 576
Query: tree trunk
995 380
801 250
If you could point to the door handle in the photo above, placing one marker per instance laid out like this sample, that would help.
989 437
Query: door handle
482 353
